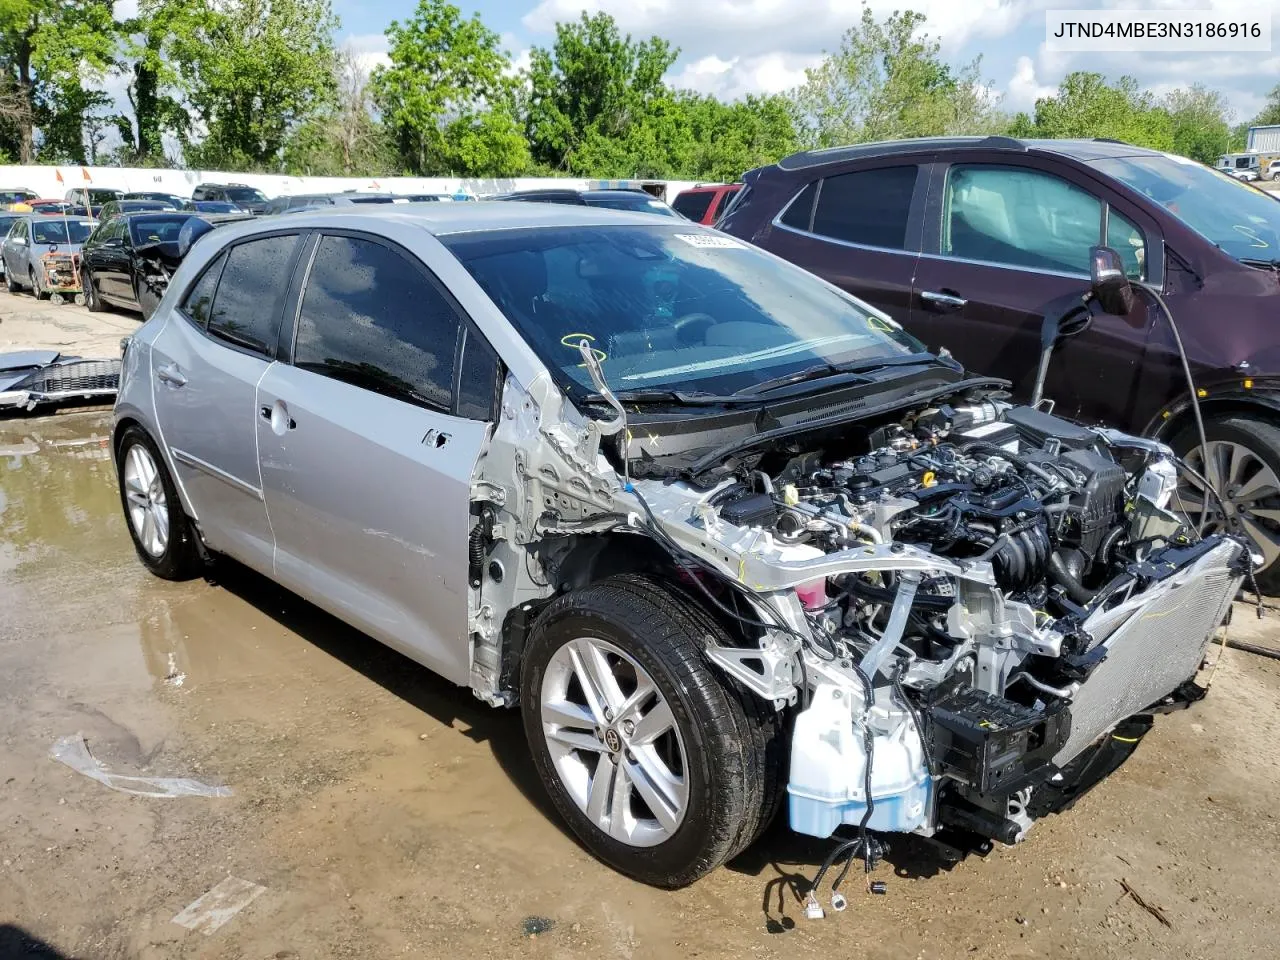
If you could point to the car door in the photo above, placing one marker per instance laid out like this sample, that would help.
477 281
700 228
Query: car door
1007 239
206 364
15 250
112 270
368 440
859 230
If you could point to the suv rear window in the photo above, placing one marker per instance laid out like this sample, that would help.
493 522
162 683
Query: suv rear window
868 207
694 205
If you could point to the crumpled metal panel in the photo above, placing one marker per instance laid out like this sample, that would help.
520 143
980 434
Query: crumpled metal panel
1159 645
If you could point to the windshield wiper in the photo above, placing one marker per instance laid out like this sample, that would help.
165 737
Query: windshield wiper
824 371
1273 264
658 395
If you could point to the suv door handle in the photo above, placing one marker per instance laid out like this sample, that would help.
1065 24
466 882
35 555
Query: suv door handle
172 375
944 301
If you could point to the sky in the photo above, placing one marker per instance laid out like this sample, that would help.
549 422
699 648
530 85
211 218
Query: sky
734 47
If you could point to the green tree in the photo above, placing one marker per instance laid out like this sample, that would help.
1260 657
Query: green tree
1200 123
250 71
596 102
345 139
1086 105
50 51
1270 113
723 140
448 96
887 80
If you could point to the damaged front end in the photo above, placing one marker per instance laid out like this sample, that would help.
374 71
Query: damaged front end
955 603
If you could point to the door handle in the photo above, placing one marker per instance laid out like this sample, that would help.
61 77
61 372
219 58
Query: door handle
944 301
281 423
172 375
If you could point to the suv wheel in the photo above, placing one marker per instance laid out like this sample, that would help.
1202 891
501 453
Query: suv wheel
1243 462
161 532
660 767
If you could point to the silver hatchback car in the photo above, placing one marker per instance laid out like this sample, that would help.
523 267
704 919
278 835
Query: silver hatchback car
725 534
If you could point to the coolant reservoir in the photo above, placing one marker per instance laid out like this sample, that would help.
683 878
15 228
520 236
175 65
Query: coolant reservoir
828 765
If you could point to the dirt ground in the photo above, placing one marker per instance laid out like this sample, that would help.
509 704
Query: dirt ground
388 814
30 324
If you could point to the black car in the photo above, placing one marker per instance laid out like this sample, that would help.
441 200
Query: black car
117 207
246 198
635 201
112 270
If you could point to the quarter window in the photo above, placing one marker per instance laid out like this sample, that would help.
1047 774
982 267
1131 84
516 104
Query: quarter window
867 207
1020 217
1128 241
255 279
477 379
199 298
800 212
372 318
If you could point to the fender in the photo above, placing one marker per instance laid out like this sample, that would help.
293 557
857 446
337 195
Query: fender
1261 393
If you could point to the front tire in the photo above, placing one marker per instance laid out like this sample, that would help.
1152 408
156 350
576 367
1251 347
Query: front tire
1244 465
36 290
91 298
10 283
661 768
161 532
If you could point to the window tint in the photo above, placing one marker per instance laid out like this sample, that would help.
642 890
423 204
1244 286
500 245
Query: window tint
246 310
477 380
868 207
800 212
694 205
1128 241
1024 218
200 297
370 317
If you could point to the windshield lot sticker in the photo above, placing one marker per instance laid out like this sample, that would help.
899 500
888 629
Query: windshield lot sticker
709 242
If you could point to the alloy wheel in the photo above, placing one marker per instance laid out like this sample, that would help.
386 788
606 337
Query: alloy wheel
1250 493
614 742
147 505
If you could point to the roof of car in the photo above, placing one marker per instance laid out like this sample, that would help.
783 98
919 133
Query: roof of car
452 218
1095 149
570 193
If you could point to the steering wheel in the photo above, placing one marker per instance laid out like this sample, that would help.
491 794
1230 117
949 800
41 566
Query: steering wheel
686 327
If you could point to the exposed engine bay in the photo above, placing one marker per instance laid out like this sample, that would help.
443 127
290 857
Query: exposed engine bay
987 590
955 602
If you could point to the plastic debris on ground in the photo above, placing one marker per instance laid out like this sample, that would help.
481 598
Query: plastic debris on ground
212 909
74 752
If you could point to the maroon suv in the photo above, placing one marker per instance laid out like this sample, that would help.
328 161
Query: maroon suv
967 241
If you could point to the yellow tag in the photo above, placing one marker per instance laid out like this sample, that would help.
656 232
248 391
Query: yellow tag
929 479
790 496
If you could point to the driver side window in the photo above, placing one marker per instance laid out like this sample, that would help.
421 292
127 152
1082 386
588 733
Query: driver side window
1027 218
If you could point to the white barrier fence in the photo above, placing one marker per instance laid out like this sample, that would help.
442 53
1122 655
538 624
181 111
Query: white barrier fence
54 182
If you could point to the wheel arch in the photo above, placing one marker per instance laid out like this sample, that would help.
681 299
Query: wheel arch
1260 406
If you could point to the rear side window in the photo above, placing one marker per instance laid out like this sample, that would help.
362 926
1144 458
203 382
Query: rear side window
868 207
372 318
694 205
246 309
199 299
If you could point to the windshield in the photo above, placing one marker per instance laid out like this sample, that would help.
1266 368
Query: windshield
1241 220
669 307
245 195
97 196
640 204
155 229
55 231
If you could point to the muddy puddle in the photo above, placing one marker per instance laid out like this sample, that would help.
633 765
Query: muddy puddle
383 813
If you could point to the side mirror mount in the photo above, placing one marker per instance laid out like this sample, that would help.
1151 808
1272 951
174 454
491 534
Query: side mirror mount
1109 284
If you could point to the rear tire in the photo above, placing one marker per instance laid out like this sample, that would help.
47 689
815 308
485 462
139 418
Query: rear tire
1245 456
91 298
728 748
161 531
